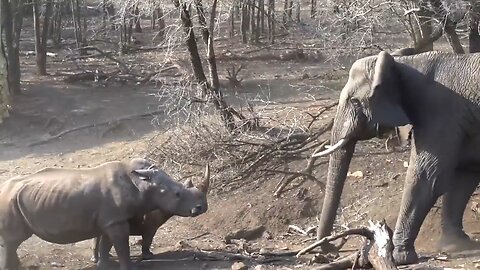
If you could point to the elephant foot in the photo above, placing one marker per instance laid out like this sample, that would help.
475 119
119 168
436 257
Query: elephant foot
459 243
147 255
404 256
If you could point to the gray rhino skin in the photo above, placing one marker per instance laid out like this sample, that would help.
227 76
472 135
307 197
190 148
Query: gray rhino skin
70 205
148 224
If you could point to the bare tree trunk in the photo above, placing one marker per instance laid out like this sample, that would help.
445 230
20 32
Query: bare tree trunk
285 11
85 25
138 27
232 22
449 26
244 21
4 91
453 39
218 100
253 30
259 21
290 10
473 35
77 26
262 15
41 34
56 24
161 23
425 21
298 8
13 20
313 8
271 21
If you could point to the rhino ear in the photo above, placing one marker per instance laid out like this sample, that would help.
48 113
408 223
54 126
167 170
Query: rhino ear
188 183
145 175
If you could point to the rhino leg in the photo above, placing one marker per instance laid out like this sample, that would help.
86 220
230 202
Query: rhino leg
118 235
96 249
153 221
8 255
104 245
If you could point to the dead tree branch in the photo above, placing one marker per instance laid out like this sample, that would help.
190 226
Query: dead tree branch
377 250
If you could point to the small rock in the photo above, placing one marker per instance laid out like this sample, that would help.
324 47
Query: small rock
477 266
239 266
405 164
260 267
267 235
357 174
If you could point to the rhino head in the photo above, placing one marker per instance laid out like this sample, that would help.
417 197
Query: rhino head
172 197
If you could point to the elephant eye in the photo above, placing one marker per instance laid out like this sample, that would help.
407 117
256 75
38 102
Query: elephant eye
177 194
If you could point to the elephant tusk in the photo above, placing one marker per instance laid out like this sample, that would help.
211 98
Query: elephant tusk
332 148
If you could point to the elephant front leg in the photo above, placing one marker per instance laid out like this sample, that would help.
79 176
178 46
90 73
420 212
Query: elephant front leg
453 207
425 182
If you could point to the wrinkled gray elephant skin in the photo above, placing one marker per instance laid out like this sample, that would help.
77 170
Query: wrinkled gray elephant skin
148 224
70 205
438 94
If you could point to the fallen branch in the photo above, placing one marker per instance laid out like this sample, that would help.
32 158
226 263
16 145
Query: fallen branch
107 55
105 123
377 251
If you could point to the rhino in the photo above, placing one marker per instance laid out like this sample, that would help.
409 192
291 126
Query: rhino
147 225
69 205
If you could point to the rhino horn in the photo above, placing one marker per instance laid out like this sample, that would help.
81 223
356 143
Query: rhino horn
203 187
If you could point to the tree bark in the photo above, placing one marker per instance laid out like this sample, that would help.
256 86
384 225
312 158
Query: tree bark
232 22
449 26
425 21
244 21
13 20
41 34
161 23
138 27
452 38
197 67
56 24
253 27
313 8
473 35
271 21
4 91
262 14
298 9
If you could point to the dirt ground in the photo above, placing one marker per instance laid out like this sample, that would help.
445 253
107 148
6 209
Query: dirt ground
49 106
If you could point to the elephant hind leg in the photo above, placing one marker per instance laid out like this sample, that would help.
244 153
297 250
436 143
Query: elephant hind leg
453 207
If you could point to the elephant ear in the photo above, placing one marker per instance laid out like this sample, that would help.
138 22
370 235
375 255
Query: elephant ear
385 96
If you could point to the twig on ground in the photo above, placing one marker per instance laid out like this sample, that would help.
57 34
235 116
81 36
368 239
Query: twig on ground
105 123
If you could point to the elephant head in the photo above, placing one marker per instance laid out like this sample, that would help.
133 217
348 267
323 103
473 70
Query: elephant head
370 105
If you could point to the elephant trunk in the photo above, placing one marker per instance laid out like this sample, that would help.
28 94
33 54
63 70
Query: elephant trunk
337 173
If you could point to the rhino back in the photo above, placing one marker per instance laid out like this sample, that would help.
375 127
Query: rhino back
68 205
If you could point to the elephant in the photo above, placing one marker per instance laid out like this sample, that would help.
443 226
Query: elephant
437 95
